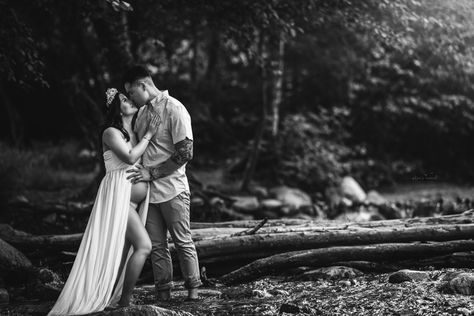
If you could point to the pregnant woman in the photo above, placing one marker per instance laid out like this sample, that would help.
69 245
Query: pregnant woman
106 268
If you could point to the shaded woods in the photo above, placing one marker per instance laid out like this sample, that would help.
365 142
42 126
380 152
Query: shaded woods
312 91
290 102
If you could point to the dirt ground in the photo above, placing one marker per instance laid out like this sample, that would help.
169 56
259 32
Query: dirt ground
368 294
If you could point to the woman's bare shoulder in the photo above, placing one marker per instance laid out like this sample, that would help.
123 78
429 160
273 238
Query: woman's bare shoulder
111 132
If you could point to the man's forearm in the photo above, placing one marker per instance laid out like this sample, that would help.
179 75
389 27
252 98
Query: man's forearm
182 154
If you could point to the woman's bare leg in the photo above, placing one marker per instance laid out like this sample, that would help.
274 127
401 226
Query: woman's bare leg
138 237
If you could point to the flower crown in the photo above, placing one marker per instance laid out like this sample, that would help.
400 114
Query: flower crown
110 94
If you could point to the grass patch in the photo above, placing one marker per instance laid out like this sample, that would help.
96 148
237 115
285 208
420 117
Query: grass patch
45 166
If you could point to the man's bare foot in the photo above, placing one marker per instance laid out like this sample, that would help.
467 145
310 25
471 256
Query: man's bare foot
124 302
163 295
193 294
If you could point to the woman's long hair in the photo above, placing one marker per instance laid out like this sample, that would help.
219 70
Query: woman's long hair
113 118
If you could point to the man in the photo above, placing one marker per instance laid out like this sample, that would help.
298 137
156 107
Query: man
164 166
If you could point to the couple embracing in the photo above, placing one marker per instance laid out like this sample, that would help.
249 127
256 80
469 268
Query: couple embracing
146 142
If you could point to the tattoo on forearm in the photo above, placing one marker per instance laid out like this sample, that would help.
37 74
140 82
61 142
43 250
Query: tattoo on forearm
155 173
184 152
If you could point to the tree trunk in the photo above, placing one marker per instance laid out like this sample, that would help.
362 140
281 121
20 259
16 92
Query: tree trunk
277 84
194 49
253 158
16 125
325 256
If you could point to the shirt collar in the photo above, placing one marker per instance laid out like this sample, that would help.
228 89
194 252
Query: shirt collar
157 100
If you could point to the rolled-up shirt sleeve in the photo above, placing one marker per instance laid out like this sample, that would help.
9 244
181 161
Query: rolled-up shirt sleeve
180 124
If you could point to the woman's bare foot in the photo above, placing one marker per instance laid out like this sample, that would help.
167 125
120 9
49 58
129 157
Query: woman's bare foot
112 307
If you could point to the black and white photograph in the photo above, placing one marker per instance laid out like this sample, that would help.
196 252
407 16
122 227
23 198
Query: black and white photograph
236 157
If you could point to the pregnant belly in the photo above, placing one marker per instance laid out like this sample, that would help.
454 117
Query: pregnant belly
138 192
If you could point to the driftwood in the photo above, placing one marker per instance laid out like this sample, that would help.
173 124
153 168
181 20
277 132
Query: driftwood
453 260
276 243
324 256
466 217
212 242
28 242
75 208
251 223
250 231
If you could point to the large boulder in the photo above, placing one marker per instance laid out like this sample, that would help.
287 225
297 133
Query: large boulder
13 261
291 197
352 190
458 283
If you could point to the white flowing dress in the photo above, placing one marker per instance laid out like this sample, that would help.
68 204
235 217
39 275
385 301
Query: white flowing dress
90 283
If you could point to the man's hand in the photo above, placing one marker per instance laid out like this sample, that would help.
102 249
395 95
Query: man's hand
139 174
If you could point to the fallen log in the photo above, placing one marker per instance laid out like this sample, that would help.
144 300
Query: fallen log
251 223
27 242
325 256
250 231
453 260
277 243
466 217
281 240
225 229
75 208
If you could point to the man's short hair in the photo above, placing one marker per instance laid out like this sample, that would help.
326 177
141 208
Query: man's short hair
134 74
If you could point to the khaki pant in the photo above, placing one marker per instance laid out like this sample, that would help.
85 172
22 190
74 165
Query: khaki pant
172 215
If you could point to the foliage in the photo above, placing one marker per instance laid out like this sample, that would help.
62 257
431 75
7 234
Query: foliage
44 167
400 71
20 60
310 150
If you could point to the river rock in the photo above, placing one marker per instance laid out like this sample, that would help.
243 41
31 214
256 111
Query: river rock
458 283
292 197
352 190
47 276
271 204
258 191
361 215
246 204
374 197
289 308
390 211
408 275
333 273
